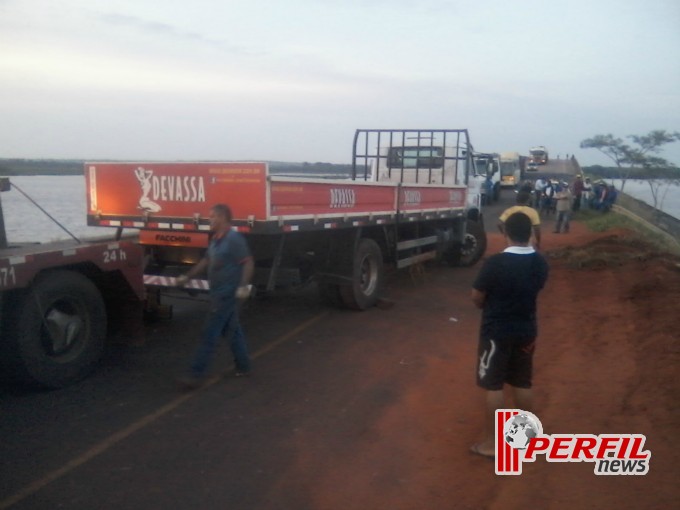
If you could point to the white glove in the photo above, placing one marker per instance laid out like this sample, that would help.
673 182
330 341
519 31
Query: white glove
243 292
181 280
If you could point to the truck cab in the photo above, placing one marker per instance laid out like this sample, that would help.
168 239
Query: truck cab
417 164
419 157
487 172
538 155
511 169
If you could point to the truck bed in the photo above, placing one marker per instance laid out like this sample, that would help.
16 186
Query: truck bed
178 197
20 263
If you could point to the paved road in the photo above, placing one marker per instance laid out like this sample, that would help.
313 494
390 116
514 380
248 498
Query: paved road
125 438
556 168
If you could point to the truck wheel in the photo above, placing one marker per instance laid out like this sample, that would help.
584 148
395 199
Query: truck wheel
472 249
367 277
57 330
474 243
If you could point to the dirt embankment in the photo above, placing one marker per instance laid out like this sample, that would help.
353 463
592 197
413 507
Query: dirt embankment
606 362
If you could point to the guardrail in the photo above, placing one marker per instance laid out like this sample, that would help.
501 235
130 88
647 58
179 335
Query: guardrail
654 219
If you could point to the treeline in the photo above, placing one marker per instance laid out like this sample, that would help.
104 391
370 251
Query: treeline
632 173
10 167
310 168
41 167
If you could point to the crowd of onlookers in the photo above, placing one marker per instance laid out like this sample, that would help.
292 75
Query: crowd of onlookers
585 194
549 196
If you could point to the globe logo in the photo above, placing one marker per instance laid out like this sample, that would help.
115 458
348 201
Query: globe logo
521 428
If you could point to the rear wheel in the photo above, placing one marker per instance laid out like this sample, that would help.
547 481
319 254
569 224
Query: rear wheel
57 330
472 248
474 243
367 277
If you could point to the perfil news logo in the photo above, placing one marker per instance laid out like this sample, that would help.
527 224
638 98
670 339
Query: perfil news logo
520 438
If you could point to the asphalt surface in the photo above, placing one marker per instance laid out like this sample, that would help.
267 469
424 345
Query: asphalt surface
126 438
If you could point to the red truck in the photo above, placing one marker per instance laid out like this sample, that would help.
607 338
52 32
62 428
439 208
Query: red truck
405 202
58 302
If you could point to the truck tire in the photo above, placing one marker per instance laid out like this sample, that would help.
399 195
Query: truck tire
474 243
473 247
367 277
57 330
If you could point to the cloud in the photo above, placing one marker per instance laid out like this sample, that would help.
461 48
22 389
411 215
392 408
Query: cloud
168 31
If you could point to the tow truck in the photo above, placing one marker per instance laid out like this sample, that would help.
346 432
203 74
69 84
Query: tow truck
60 300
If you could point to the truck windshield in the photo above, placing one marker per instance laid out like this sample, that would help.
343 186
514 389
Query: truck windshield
508 168
482 166
415 157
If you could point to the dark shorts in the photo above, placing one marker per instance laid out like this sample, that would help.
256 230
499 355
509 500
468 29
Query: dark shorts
509 360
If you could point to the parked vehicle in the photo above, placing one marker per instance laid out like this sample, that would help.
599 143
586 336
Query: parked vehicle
538 155
487 169
512 169
407 201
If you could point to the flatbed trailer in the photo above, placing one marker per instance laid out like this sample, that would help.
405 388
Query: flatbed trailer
406 202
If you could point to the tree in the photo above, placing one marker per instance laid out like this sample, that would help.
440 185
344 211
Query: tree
641 156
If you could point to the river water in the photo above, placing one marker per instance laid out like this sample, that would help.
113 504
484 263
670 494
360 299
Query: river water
64 198
668 196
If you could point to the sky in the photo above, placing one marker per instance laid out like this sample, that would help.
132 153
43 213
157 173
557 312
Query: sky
292 80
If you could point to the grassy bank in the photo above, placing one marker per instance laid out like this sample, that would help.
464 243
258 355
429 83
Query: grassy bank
601 222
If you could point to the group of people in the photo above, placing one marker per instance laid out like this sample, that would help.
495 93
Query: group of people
561 198
603 196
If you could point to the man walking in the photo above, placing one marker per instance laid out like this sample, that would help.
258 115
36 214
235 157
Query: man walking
230 268
506 289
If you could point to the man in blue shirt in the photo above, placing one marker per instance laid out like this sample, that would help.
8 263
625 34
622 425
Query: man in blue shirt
230 268
506 289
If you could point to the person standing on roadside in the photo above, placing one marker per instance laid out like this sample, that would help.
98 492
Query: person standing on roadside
562 208
230 267
587 195
523 199
506 290
539 186
577 190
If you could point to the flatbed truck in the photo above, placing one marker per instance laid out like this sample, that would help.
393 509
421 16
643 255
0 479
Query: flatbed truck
406 202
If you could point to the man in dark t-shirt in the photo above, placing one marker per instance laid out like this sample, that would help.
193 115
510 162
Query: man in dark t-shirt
230 267
506 289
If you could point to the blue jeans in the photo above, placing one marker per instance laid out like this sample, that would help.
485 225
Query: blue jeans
562 221
222 320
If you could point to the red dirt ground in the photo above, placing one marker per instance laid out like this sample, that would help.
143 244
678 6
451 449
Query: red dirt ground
606 362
